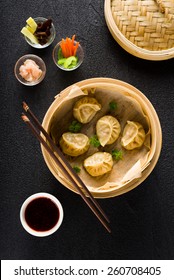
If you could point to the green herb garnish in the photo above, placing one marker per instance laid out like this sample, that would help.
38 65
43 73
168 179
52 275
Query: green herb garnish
75 126
94 141
117 154
112 105
77 169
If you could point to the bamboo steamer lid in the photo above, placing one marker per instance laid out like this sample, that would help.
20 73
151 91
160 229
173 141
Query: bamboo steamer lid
143 28
123 88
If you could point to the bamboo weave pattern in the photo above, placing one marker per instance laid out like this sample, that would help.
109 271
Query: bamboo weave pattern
149 24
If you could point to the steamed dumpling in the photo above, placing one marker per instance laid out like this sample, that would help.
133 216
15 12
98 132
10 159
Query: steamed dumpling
98 164
74 144
85 109
133 135
107 130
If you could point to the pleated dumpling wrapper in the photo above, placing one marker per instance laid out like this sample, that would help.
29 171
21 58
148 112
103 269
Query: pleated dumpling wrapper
108 130
133 135
98 164
85 109
74 144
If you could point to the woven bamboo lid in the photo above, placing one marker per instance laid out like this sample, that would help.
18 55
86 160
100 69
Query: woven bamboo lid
143 28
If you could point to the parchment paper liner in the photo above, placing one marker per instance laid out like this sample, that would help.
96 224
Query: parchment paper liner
125 171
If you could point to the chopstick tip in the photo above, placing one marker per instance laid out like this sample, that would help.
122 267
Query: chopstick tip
25 106
24 118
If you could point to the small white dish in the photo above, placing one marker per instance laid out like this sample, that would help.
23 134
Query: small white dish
41 214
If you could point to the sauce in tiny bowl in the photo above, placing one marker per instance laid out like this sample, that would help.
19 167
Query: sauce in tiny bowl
41 214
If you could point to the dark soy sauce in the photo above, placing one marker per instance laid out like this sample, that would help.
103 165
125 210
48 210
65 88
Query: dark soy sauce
42 214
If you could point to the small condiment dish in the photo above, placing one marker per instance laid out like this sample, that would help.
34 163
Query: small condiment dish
50 38
21 61
79 55
41 214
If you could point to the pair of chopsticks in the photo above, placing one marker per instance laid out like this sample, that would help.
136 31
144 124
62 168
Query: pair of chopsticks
64 165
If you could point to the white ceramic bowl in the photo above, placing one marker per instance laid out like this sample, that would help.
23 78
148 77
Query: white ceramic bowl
32 231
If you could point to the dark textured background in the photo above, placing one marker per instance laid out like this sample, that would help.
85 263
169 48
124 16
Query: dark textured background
143 219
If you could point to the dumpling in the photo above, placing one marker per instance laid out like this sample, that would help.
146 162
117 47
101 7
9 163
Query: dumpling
107 130
74 144
98 164
85 109
133 135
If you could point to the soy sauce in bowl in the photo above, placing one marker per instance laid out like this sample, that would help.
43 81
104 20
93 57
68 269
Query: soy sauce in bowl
41 214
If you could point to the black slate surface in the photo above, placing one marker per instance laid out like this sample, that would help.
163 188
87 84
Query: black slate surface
143 219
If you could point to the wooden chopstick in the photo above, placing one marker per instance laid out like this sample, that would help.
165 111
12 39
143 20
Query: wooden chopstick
65 166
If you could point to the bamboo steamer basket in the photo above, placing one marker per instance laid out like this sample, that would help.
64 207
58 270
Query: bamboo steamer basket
143 28
122 87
